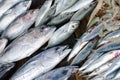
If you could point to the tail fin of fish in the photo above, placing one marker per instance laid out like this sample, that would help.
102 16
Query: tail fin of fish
4 68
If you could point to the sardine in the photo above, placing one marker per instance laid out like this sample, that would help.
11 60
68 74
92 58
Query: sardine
78 5
63 33
7 4
62 73
43 12
20 25
63 5
13 13
83 53
26 44
117 77
102 60
41 63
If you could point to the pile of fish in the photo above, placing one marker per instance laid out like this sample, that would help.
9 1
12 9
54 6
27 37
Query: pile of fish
95 55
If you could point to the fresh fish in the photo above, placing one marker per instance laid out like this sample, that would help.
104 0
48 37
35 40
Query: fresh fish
78 45
83 53
4 68
27 44
117 77
101 69
115 66
41 63
78 5
43 12
62 73
7 4
63 33
102 60
3 43
111 35
63 5
59 19
80 14
108 47
20 25
13 13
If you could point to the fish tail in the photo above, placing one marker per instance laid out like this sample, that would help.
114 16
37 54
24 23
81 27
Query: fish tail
4 68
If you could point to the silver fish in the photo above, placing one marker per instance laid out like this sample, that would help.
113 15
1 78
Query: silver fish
13 13
102 60
20 25
63 5
26 44
3 43
62 73
59 19
4 68
117 77
80 14
63 33
43 12
78 46
78 5
83 53
7 4
41 63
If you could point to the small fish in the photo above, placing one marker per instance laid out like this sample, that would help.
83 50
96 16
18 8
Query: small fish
26 44
4 68
43 12
83 53
20 25
78 45
78 5
63 5
80 14
111 35
61 18
41 63
102 60
13 13
62 73
7 4
63 33
101 69
3 43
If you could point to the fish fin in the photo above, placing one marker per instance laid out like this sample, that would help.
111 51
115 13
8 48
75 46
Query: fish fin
4 68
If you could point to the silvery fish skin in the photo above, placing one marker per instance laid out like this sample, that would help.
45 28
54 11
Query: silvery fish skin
43 12
111 35
101 69
102 60
62 73
26 44
41 63
4 68
63 5
78 45
78 5
20 25
80 14
117 77
108 47
83 53
3 43
114 67
7 4
13 13
63 33
61 18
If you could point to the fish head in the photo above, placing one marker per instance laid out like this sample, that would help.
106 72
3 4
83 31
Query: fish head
73 25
